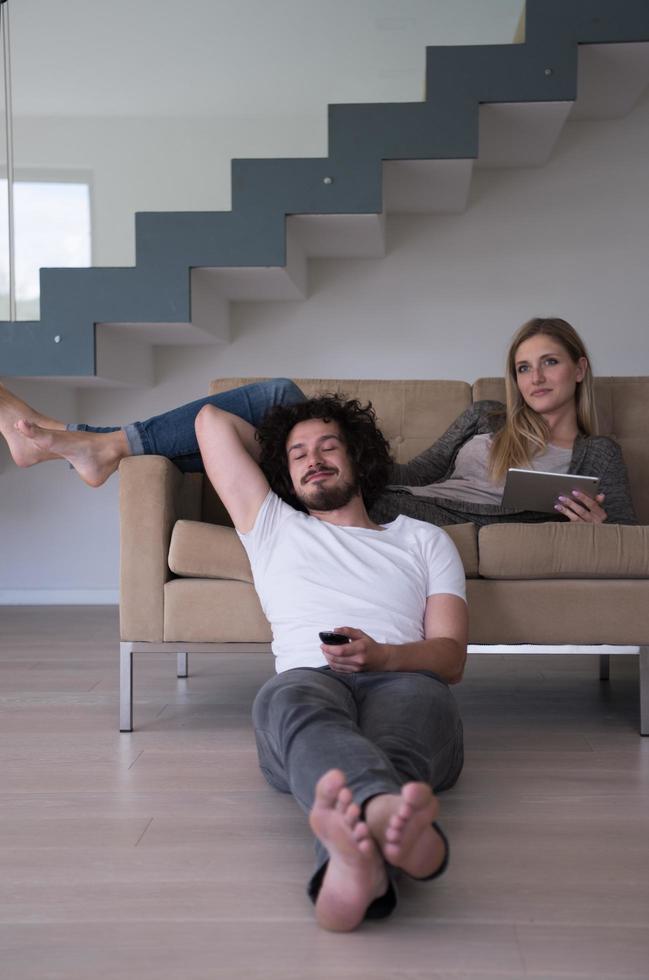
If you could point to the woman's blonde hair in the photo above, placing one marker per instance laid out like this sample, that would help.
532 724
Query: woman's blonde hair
525 433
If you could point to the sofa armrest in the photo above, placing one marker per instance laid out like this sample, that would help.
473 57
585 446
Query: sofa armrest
153 495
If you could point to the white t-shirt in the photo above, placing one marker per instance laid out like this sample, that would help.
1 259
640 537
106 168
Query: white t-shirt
312 576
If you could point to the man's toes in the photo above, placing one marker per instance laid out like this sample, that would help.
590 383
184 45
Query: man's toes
328 787
343 799
393 833
351 814
399 820
361 831
367 847
418 795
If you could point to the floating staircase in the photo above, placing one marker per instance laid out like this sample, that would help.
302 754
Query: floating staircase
485 106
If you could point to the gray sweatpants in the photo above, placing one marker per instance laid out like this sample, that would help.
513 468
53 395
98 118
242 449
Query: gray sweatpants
383 729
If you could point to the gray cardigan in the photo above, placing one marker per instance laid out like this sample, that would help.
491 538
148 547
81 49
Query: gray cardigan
591 456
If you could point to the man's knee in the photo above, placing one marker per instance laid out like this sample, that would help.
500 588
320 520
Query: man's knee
421 688
202 420
450 763
444 710
285 392
420 707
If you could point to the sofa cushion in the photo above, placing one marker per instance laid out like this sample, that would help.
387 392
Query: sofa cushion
556 550
559 611
200 550
208 611
465 539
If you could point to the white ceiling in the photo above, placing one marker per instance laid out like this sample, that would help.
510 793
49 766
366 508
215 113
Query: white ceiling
250 57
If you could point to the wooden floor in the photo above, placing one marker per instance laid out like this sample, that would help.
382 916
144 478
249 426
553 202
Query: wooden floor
163 854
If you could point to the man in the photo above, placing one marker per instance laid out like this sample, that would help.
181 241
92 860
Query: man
359 733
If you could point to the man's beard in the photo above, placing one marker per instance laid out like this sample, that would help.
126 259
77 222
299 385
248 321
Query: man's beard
329 498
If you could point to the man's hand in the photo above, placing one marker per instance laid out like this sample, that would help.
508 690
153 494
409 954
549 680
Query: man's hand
582 509
363 653
443 650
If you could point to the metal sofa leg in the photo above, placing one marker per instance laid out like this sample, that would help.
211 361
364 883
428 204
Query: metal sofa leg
604 663
182 668
644 690
126 687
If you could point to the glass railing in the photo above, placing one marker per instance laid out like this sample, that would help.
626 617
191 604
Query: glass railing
140 106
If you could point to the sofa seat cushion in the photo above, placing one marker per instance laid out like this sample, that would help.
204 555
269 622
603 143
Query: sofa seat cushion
557 550
200 550
549 612
208 611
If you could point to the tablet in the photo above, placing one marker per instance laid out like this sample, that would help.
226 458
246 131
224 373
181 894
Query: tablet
537 490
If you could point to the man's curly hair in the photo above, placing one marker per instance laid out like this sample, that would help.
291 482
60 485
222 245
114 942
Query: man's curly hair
368 448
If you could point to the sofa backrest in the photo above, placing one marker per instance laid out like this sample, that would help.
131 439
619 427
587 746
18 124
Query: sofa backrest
412 414
623 413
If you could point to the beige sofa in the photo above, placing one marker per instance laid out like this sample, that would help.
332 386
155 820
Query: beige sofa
186 584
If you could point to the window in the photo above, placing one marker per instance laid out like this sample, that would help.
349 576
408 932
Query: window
52 228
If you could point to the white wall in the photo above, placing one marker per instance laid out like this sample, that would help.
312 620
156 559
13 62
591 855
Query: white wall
157 164
571 239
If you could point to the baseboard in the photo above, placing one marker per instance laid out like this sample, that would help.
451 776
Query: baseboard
59 597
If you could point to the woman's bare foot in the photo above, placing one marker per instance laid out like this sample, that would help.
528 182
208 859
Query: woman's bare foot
355 874
94 455
23 451
402 826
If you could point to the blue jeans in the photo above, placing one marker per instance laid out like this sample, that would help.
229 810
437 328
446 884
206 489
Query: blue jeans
382 728
172 434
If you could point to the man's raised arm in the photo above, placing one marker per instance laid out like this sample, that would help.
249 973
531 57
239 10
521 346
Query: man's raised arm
230 453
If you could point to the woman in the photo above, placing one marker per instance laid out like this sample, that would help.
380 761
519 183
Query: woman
547 424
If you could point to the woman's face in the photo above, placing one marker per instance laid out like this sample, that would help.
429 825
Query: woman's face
546 375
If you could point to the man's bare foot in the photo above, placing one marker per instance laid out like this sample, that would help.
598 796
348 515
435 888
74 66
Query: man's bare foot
94 455
355 874
402 827
23 451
